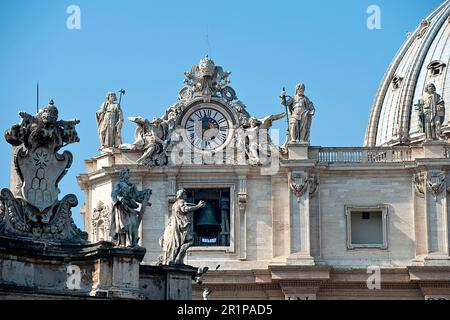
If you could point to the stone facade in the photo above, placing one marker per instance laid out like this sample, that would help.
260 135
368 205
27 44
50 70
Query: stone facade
277 230
304 222
291 220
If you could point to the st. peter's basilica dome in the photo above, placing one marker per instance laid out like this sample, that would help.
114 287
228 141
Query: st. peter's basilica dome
423 59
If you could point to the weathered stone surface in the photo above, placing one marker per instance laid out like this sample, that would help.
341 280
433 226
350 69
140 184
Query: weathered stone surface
166 282
80 270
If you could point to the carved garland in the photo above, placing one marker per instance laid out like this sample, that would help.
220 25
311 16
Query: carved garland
299 183
435 182
419 184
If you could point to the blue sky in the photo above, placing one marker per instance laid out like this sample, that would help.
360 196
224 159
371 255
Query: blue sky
145 46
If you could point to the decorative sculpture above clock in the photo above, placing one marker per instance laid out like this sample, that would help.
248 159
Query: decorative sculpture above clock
208 118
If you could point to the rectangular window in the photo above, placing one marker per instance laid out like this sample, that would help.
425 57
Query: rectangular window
367 226
211 224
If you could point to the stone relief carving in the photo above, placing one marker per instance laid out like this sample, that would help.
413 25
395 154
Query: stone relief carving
435 182
300 111
207 80
156 139
129 206
36 211
110 122
423 28
299 184
178 235
419 184
313 185
101 222
431 113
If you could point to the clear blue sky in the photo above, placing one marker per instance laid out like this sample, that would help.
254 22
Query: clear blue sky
145 46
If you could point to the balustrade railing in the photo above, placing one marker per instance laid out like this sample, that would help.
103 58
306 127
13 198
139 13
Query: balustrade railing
362 155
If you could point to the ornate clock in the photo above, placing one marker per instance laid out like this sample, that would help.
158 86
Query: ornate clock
207 126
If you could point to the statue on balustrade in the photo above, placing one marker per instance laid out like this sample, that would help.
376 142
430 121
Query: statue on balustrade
431 113
129 206
110 122
300 111
178 235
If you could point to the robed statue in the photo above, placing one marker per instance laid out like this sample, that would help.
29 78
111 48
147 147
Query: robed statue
431 113
110 122
300 110
129 206
178 235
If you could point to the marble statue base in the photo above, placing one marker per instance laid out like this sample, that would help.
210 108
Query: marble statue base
298 151
435 149
166 282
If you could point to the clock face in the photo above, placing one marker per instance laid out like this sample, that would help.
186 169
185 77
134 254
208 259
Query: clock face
207 128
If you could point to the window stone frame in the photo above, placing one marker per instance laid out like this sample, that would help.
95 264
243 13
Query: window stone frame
384 208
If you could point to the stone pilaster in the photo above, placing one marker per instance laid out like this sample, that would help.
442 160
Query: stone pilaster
242 205
301 185
431 217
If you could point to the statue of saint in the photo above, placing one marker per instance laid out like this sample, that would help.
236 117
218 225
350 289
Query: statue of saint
110 122
301 111
431 110
129 205
178 235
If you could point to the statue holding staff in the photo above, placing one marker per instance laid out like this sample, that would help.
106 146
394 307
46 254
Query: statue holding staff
300 111
110 122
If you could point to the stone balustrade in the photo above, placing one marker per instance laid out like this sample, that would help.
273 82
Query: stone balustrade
363 155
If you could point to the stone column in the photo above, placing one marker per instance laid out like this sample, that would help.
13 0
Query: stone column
242 204
301 185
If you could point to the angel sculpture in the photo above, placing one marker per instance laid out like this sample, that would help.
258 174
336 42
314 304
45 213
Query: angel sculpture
151 137
258 137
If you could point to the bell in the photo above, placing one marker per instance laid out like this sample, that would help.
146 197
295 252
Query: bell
207 217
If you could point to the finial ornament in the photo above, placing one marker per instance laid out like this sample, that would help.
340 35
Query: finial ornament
207 80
